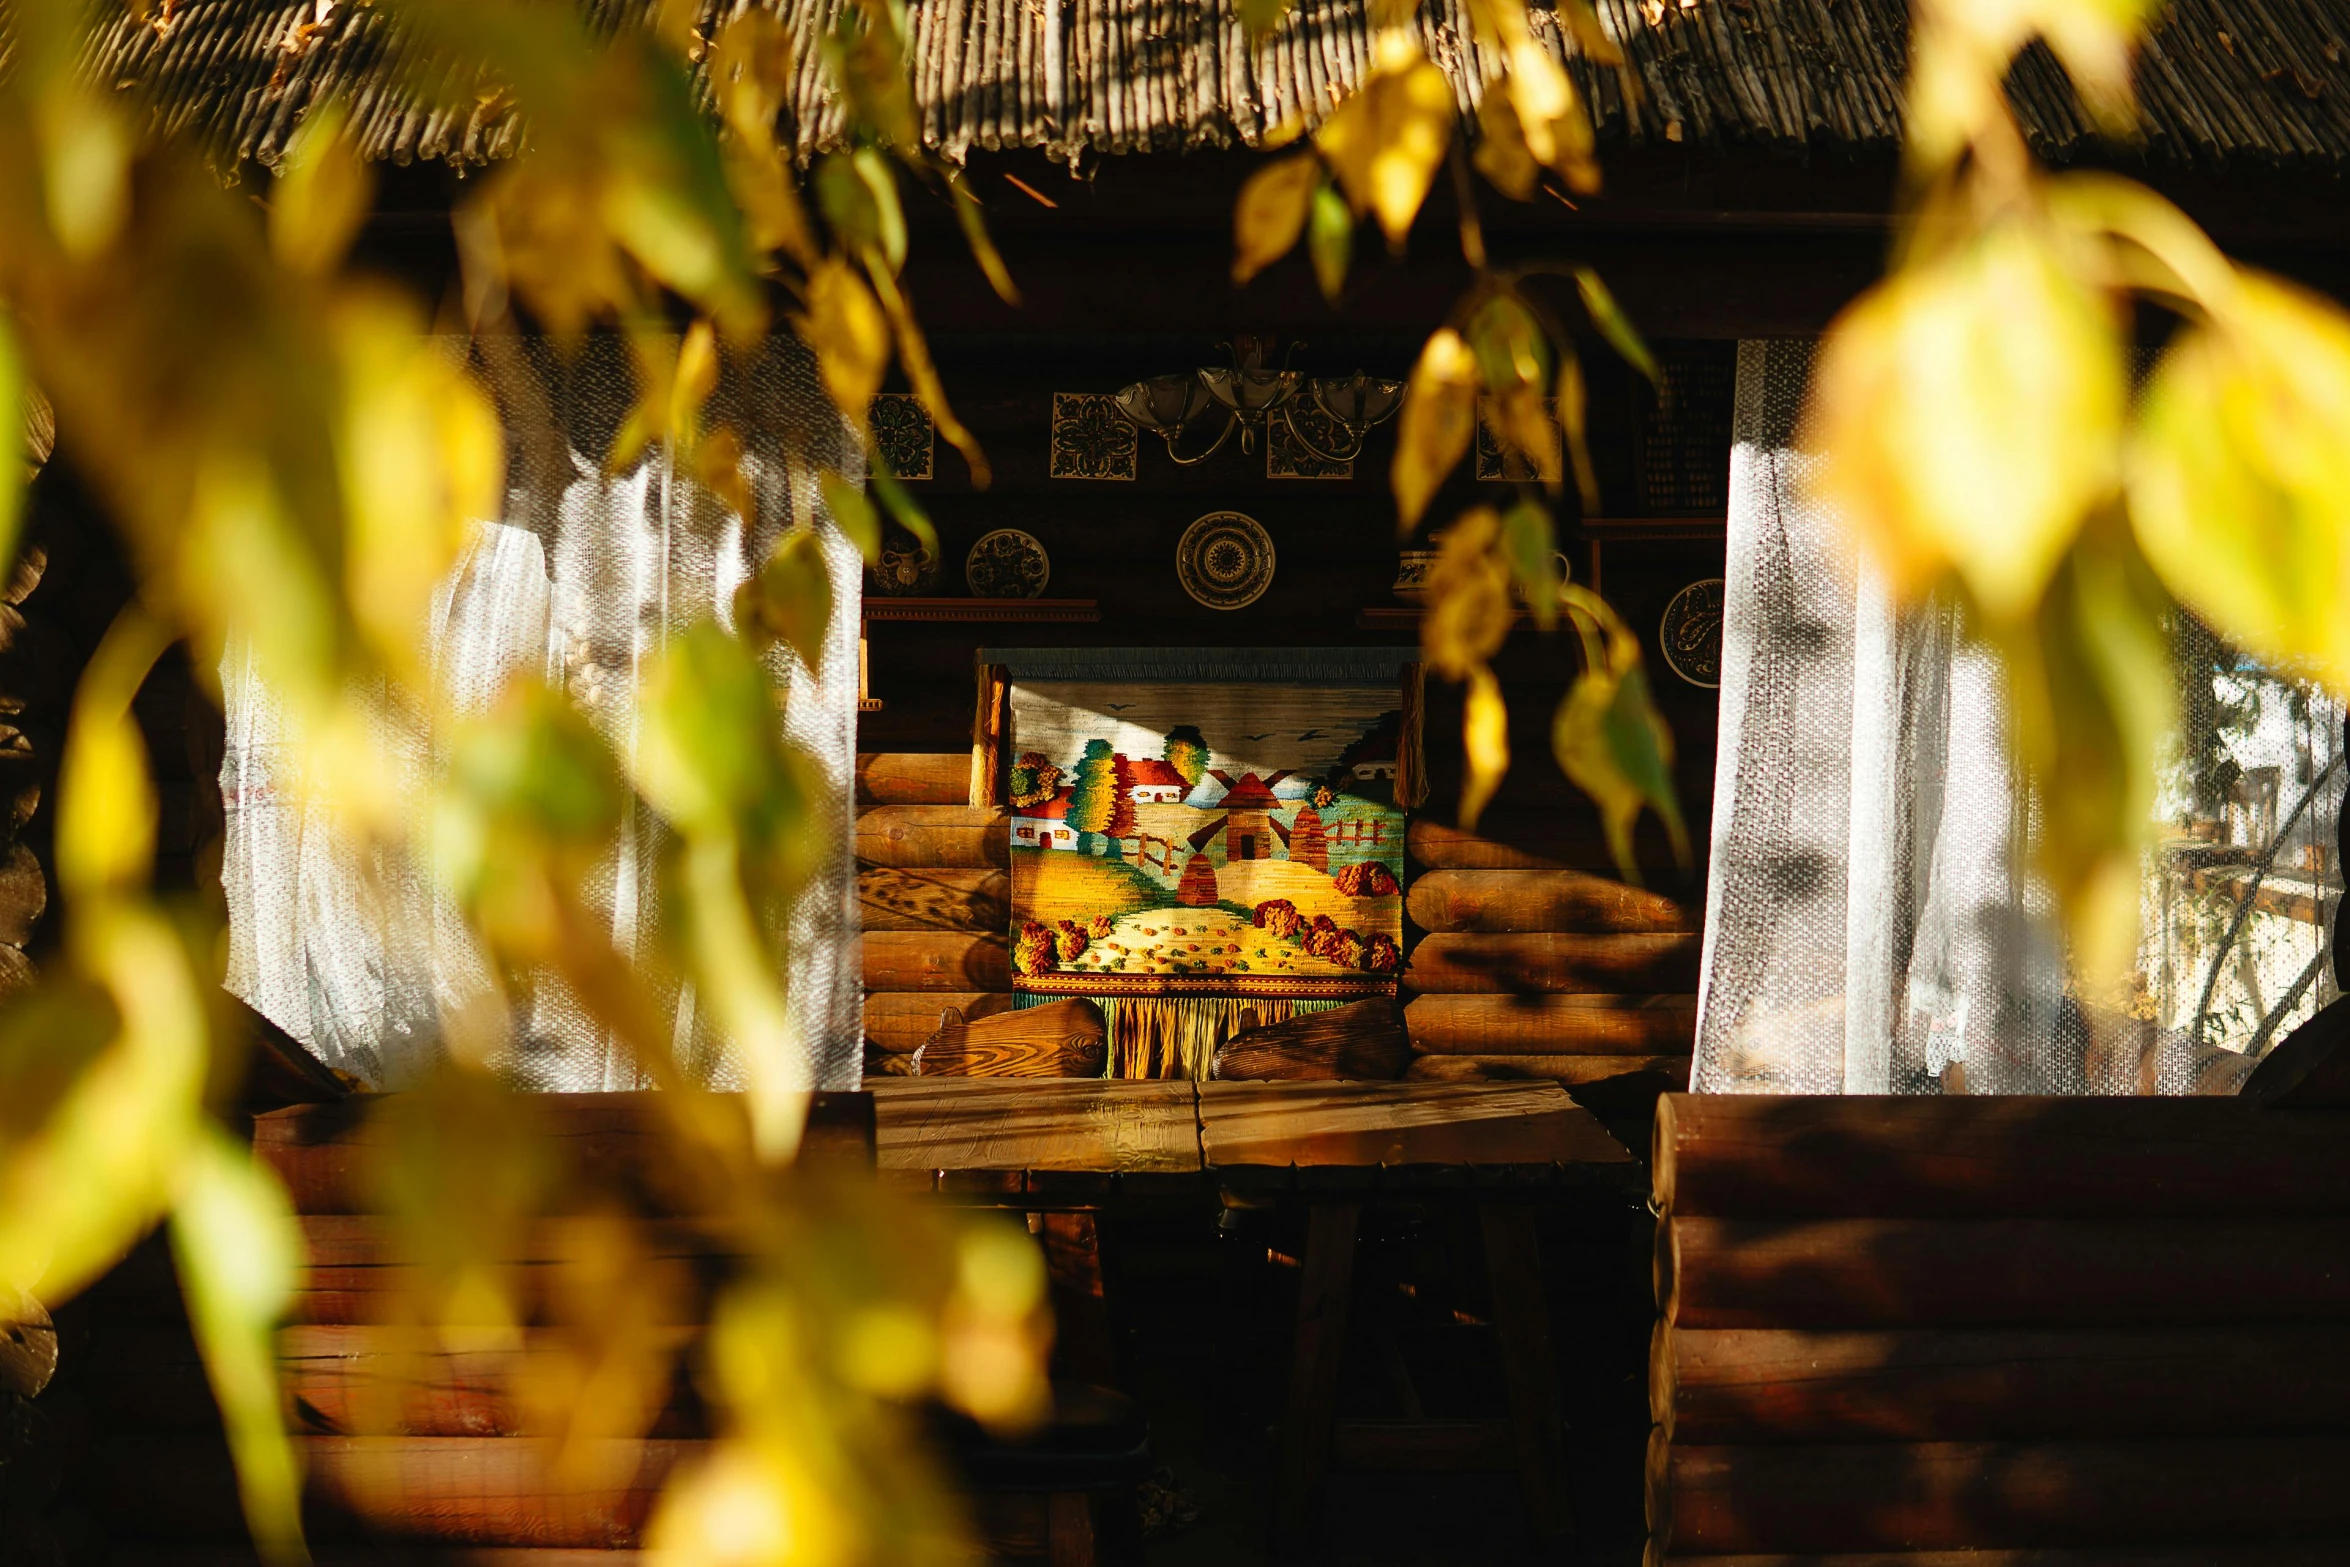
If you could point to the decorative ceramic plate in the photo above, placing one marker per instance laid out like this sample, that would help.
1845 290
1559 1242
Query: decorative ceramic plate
1225 560
1007 564
1690 635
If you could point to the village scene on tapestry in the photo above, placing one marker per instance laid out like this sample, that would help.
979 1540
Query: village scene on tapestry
1206 839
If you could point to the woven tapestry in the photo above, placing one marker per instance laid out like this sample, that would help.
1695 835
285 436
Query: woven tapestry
1184 849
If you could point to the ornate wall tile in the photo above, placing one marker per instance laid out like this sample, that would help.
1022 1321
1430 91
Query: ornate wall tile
1286 456
903 432
1091 438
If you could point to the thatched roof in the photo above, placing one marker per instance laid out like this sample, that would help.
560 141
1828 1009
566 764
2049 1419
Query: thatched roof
2224 82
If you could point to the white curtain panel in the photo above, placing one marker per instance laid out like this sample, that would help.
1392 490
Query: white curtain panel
584 578
1869 918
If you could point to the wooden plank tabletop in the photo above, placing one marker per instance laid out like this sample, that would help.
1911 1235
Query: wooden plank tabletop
1333 1126
1102 1126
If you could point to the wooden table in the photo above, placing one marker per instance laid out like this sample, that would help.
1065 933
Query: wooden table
1056 1147
1338 1143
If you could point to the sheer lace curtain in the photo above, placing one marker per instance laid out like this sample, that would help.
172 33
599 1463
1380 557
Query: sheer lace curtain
1871 923
583 577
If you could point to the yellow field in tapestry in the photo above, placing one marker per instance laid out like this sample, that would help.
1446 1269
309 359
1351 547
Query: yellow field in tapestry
1052 885
1251 882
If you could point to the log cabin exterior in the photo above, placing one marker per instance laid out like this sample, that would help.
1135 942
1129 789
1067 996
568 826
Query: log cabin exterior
1976 1336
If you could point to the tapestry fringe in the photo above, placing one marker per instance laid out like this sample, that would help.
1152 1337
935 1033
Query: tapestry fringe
1176 1036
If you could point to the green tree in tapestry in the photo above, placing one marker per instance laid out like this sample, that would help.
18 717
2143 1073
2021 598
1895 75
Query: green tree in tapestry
1187 752
1097 806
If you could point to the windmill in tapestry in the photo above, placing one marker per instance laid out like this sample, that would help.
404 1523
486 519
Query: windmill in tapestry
1213 839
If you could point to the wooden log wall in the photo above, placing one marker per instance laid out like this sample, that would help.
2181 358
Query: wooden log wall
1531 957
1911 1332
934 885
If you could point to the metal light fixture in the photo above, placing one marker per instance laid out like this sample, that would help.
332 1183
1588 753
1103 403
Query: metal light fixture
1357 404
1252 393
1166 405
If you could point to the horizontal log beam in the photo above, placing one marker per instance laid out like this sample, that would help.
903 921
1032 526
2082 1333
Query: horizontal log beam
936 960
1569 1070
1890 1273
1568 840
898 1021
325 1153
1741 1387
1957 1495
1917 1156
934 836
1456 963
1528 900
913 778
1495 1025
963 900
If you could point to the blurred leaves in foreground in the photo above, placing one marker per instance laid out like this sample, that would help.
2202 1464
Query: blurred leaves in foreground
294 468
1983 438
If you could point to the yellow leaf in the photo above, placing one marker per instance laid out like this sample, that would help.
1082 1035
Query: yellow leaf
1485 743
1614 325
1386 140
16 395
1969 413
718 467
753 1504
790 600
239 1253
972 218
320 197
1270 213
1502 155
1469 608
1608 737
1573 406
1438 421
751 73
106 803
1962 49
1331 241
845 327
86 167
2094 698
1532 545
858 194
2239 475
853 513
914 354
1552 124
423 460
1260 17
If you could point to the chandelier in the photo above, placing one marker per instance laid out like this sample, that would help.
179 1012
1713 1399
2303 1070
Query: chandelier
1251 393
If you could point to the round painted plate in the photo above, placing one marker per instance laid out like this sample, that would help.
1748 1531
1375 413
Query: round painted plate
1225 560
1690 635
1007 564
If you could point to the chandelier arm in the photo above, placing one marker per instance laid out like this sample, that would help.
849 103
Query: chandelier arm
1316 452
1231 422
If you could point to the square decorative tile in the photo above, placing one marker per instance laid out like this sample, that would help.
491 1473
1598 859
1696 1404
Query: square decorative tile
903 433
1494 461
1091 438
1286 457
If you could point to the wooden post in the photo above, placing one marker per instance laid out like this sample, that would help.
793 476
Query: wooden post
990 722
1514 1269
1323 1289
